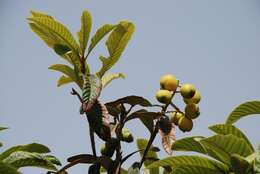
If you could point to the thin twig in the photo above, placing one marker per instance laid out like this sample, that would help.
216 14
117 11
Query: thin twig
74 92
150 142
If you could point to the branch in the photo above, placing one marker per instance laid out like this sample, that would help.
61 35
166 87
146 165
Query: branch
74 92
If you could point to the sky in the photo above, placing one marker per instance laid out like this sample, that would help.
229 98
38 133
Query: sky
211 44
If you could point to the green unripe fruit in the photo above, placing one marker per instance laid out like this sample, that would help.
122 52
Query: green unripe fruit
164 96
192 111
187 91
195 99
104 150
185 124
175 117
126 136
169 82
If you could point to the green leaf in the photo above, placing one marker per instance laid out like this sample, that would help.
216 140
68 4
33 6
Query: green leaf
20 159
244 110
146 118
131 100
63 80
107 78
240 165
257 161
99 120
134 169
3 128
40 14
222 147
196 164
116 44
83 34
189 144
8 169
65 69
91 91
225 129
61 49
100 33
197 170
52 159
33 147
141 144
56 30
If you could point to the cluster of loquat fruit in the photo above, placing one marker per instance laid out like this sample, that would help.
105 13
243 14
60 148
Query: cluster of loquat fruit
191 96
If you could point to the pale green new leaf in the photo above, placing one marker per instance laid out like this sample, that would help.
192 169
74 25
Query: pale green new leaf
20 159
40 14
141 144
197 163
107 78
33 147
58 30
190 144
63 80
116 44
8 169
91 90
257 161
222 147
100 33
225 129
46 36
65 69
244 110
83 34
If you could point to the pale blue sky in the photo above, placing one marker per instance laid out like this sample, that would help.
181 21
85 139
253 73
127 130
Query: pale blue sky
212 44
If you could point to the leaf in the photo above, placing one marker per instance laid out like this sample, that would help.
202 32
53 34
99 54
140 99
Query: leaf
33 147
106 162
257 161
56 29
116 44
3 128
196 170
65 69
40 14
91 91
100 33
239 164
196 164
131 100
20 159
122 171
83 34
8 169
61 49
52 159
189 144
99 120
168 138
63 80
225 129
223 146
244 110
107 78
146 118
141 144
134 169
